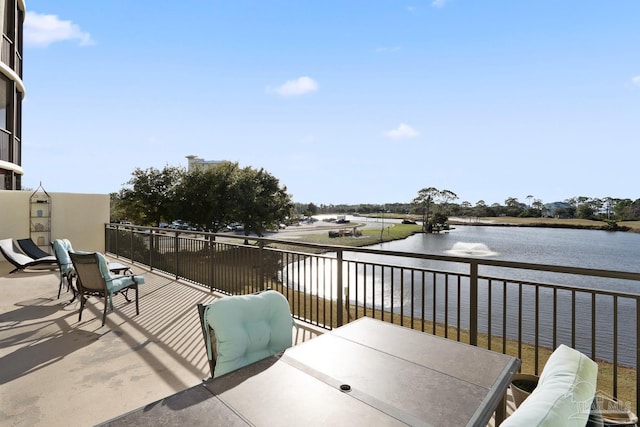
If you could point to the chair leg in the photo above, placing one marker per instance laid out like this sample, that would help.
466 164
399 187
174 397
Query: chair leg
82 301
60 285
70 286
104 313
137 306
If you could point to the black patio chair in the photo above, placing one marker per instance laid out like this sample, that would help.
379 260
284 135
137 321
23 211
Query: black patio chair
30 248
94 279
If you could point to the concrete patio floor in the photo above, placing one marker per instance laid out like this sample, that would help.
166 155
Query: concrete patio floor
57 371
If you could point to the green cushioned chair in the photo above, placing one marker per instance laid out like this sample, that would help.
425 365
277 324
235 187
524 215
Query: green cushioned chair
95 279
564 394
61 249
239 330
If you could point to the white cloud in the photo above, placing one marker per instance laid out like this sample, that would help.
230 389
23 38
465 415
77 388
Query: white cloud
42 30
438 3
403 131
297 87
636 80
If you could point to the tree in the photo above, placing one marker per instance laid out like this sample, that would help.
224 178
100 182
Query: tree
622 209
514 207
423 202
539 206
511 202
609 203
117 212
466 207
480 208
147 199
439 219
204 196
311 210
261 203
446 196
585 211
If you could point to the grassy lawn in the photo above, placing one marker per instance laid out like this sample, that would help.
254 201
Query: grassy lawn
531 222
550 222
634 225
368 237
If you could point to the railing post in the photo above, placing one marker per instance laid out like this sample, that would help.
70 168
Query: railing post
176 251
212 257
107 239
131 245
152 239
473 303
117 244
261 264
339 289
637 352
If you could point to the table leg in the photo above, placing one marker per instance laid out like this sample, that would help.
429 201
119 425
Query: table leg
501 411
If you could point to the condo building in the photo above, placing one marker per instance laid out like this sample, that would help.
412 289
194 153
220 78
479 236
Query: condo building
11 94
197 162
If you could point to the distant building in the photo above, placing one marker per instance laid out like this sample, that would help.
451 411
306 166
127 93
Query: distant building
197 162
11 94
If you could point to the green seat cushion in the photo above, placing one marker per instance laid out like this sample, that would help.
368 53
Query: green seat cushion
564 393
61 249
249 328
116 282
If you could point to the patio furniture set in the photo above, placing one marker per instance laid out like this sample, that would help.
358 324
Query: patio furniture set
365 372
93 275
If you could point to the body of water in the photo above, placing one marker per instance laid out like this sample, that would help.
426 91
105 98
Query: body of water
598 249
565 247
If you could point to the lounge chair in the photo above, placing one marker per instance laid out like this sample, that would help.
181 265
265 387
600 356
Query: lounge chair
22 261
95 279
30 248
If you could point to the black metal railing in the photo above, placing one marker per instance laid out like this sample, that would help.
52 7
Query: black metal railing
5 141
5 51
521 309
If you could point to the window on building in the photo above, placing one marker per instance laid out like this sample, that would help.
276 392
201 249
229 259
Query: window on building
5 96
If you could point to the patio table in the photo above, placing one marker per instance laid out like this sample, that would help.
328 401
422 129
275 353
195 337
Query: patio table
117 268
365 373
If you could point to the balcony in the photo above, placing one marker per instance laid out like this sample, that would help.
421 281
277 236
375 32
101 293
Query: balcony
54 368
57 366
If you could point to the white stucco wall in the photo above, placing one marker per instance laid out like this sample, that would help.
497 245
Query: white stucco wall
77 217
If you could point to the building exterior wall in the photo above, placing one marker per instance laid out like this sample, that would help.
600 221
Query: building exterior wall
12 13
77 217
197 162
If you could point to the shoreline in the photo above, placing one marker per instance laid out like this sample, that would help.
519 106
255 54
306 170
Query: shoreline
315 232
543 223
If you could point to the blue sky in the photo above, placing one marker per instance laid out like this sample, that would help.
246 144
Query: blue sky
342 101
